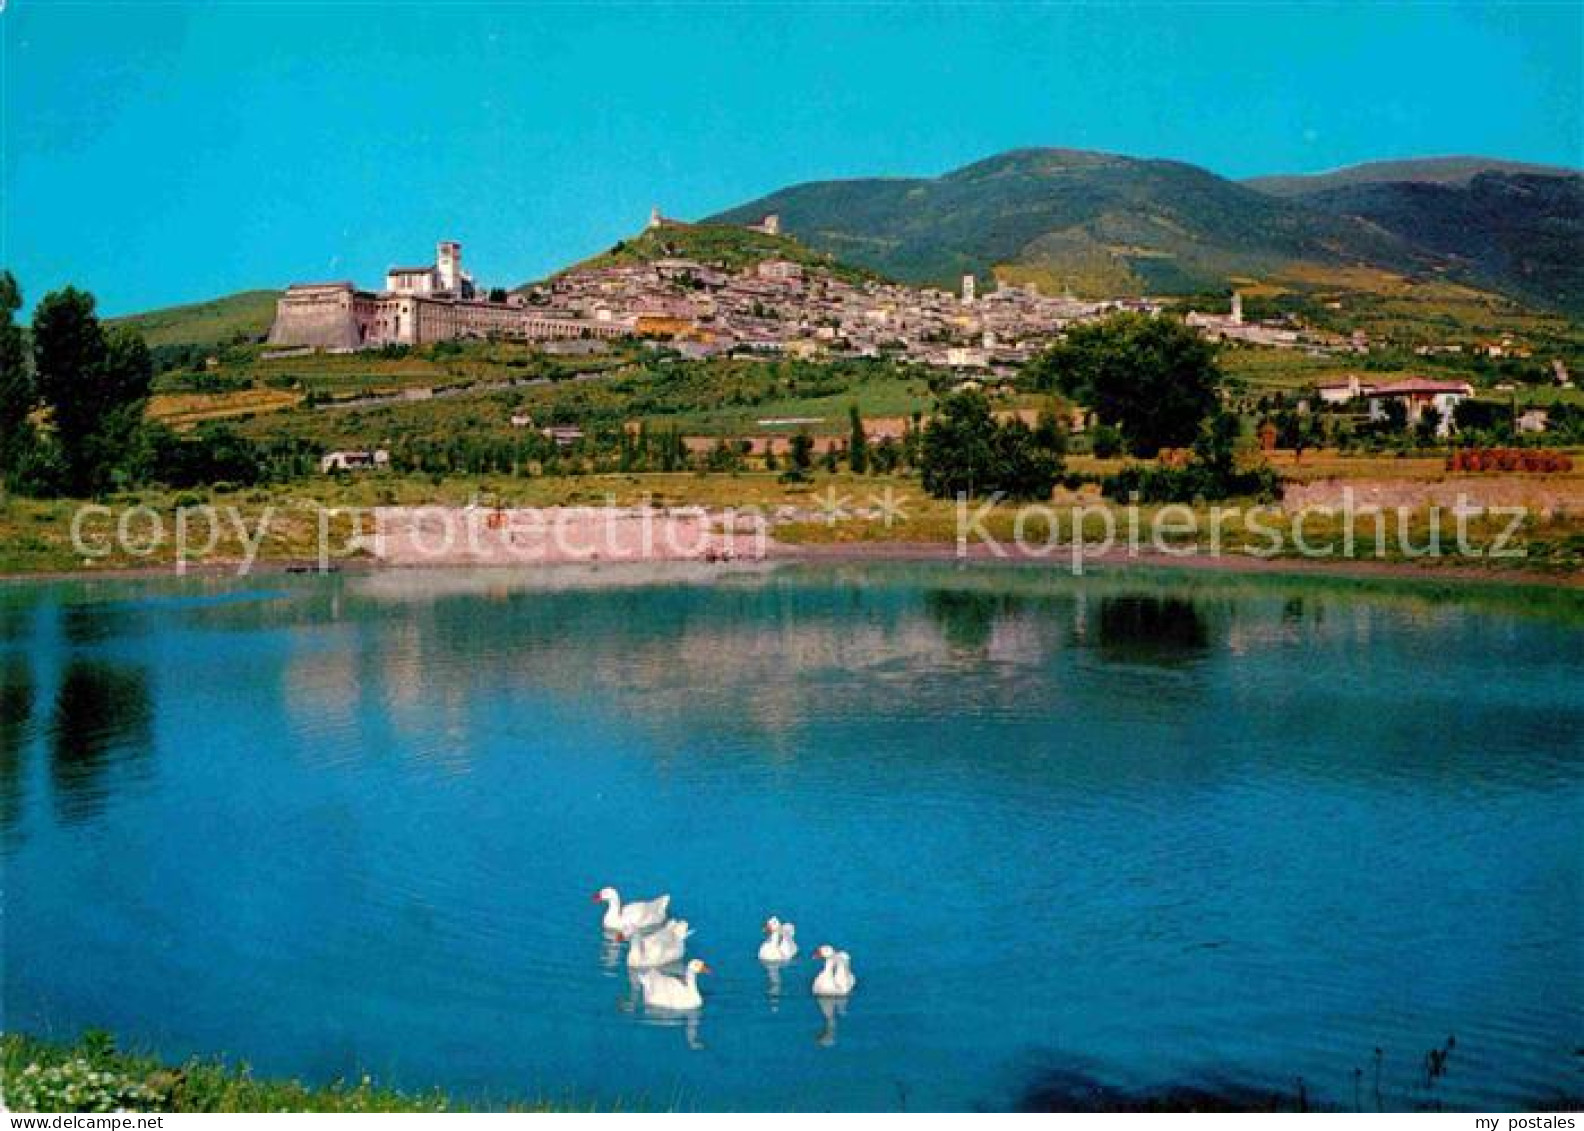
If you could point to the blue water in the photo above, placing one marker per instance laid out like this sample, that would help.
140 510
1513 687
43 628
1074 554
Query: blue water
1119 831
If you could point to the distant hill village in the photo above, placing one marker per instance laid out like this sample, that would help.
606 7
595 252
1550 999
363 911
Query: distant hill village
774 305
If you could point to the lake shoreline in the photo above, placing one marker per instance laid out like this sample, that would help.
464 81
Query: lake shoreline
1059 557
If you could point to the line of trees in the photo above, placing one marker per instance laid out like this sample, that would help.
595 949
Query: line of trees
91 383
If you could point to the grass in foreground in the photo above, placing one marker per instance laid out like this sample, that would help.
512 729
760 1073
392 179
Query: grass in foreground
92 1075
35 535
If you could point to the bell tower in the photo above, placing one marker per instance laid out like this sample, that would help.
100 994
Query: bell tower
448 265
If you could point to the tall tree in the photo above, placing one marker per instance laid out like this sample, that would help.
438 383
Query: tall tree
858 444
95 384
17 395
1154 378
802 453
966 452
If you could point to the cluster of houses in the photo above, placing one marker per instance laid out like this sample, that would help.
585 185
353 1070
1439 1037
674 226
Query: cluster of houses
778 306
772 306
1286 332
1417 396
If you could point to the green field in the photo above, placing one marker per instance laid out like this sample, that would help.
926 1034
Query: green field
473 389
245 316
302 397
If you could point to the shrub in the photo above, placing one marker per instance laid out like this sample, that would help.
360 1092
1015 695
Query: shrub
1105 442
89 1081
213 453
1151 483
1508 459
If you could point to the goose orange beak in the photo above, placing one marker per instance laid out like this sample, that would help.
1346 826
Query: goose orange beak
704 968
595 898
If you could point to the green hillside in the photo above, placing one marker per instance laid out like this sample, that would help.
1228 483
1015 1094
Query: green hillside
1093 223
1456 171
728 246
1508 229
244 316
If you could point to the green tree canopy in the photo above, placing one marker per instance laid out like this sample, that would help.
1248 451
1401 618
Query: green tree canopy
17 396
95 384
966 452
1154 378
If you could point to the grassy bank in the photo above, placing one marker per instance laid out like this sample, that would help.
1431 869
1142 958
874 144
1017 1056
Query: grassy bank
36 535
92 1075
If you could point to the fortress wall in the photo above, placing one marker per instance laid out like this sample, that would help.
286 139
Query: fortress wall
318 317
336 316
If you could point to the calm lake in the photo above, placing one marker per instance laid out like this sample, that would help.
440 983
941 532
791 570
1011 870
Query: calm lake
1128 830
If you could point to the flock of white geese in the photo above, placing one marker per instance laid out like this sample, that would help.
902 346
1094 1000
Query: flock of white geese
655 940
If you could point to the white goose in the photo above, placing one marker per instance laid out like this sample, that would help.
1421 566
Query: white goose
630 918
659 948
780 944
837 979
662 991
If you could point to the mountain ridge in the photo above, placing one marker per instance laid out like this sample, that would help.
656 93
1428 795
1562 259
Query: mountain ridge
1454 170
1106 224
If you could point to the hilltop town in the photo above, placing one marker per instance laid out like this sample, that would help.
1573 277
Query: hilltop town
777 303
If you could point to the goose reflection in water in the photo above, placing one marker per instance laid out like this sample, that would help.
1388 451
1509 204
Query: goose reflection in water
831 1008
688 1020
634 998
773 985
633 1003
610 951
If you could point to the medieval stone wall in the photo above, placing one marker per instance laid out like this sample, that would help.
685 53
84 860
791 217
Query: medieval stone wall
318 316
337 317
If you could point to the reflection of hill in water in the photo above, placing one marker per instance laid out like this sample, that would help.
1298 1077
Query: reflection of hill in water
763 657
412 661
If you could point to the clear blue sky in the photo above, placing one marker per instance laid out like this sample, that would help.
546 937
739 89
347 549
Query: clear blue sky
165 152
